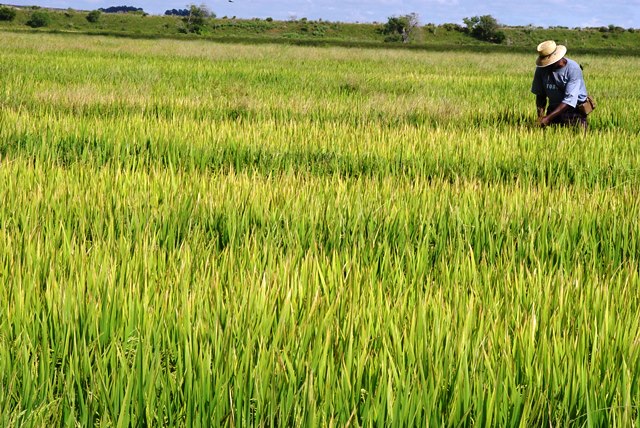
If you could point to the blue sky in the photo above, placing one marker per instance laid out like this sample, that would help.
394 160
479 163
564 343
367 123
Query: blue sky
570 13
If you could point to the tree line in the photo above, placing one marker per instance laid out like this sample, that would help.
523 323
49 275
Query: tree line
121 9
403 28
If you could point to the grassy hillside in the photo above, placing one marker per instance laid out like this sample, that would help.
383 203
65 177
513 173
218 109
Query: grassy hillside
317 32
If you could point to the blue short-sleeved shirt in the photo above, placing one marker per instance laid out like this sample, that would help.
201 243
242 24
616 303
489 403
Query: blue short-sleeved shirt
564 85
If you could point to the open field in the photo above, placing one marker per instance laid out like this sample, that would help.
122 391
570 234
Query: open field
195 234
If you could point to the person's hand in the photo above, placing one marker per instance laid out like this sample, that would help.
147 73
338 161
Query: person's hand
544 121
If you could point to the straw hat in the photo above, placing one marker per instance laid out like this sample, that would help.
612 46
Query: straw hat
550 53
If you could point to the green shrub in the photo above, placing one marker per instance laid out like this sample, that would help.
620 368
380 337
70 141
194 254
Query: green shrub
198 16
393 38
400 28
430 28
93 16
39 19
485 28
453 27
7 13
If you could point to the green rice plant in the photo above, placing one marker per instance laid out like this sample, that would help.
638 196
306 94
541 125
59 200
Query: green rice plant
194 234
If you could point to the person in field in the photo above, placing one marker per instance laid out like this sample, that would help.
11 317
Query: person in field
558 80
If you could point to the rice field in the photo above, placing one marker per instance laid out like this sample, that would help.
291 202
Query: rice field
198 234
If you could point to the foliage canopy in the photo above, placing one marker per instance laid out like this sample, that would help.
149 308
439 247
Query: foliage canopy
7 13
400 28
196 19
485 28
121 9
39 19
94 16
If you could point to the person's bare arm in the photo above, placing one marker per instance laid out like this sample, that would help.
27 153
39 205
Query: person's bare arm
546 120
541 104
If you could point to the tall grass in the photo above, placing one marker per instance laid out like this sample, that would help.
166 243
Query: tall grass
199 235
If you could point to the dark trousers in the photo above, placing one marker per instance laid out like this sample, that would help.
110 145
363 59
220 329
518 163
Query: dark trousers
570 117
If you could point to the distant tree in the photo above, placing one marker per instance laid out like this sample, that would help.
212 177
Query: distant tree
431 28
449 26
615 29
197 18
484 28
121 9
7 13
39 19
400 28
177 12
94 16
